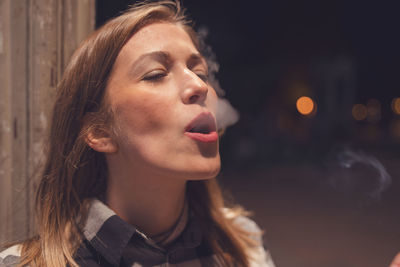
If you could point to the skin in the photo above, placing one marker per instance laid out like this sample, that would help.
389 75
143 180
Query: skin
396 261
157 87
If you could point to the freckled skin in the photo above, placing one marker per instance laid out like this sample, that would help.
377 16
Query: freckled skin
150 116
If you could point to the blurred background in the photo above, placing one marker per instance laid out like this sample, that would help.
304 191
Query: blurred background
316 152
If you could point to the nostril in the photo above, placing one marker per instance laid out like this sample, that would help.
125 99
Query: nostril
193 98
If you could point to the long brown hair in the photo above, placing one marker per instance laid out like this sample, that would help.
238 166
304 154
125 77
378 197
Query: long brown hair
74 173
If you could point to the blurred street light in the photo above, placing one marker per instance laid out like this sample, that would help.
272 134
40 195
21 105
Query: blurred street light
396 105
305 106
359 112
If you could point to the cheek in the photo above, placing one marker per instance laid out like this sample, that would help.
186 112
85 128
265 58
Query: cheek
140 115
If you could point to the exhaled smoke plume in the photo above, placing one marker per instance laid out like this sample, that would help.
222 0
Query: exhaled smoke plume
226 114
370 167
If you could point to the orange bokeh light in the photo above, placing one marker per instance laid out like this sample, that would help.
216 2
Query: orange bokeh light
305 105
396 105
359 112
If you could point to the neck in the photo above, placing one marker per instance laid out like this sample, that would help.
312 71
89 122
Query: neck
151 203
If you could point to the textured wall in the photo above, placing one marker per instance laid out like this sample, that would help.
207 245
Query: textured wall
37 38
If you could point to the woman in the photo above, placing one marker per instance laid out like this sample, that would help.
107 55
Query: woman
133 150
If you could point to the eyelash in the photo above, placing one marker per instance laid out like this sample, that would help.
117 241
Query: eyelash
160 75
155 77
202 76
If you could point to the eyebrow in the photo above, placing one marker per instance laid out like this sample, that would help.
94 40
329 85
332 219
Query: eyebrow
160 56
165 59
195 59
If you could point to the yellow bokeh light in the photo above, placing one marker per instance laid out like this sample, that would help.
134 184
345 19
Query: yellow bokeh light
305 105
359 112
396 105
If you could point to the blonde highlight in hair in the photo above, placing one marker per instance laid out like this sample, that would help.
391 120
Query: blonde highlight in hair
74 173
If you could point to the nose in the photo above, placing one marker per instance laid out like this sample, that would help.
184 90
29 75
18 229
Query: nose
195 89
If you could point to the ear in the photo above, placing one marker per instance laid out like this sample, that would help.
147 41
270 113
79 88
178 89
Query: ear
101 141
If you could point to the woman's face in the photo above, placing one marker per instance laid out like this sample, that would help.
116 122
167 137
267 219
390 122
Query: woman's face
163 107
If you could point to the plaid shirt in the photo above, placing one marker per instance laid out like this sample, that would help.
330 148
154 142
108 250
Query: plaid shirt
110 241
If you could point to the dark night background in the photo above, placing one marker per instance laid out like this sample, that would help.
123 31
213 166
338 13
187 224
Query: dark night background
290 168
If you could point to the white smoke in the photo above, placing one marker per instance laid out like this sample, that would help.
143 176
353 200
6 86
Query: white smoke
226 114
370 167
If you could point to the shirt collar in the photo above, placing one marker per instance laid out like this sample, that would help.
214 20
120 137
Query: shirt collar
110 235
106 232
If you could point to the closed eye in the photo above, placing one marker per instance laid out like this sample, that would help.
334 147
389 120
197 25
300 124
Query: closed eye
154 76
203 76
201 73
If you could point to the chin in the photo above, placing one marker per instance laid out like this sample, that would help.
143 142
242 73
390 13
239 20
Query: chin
204 171
189 167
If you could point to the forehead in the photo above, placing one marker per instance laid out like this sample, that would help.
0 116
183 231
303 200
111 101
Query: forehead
159 37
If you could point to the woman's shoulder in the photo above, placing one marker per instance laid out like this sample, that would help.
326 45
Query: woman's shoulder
10 256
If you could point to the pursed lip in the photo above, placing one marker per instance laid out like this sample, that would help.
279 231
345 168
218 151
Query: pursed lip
202 128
